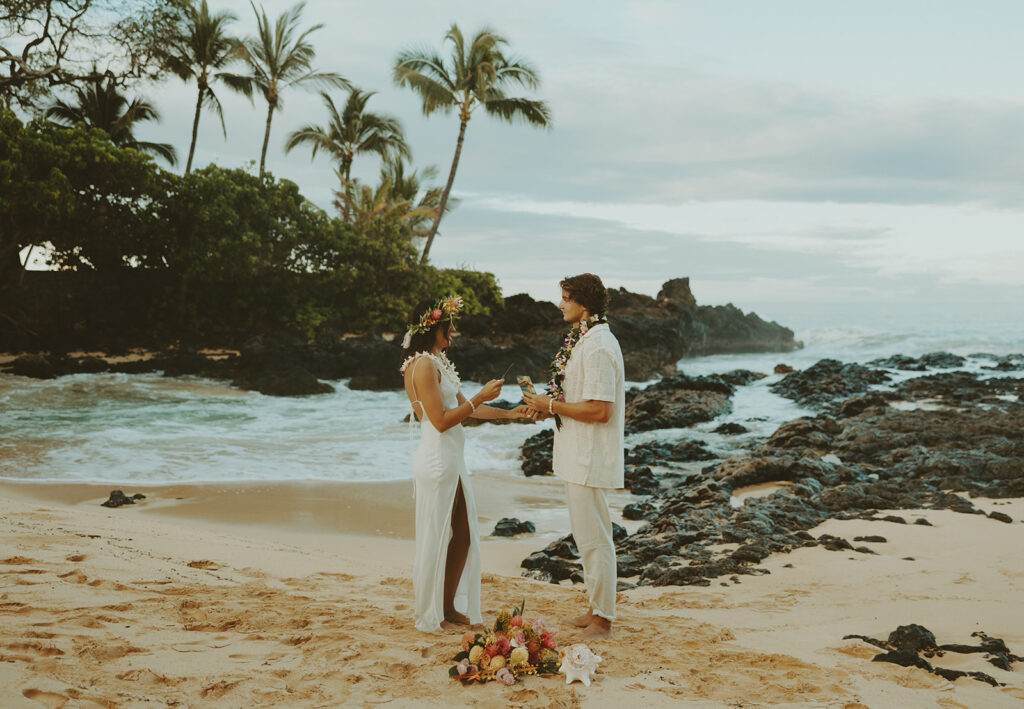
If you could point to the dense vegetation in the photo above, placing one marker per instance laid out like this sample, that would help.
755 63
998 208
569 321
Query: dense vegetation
210 256
150 256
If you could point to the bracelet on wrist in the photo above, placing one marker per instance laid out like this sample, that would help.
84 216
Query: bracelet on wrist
551 406
472 406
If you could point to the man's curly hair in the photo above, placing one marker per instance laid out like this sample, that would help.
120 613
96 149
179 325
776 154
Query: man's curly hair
587 290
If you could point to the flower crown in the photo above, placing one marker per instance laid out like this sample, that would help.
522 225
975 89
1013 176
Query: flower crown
450 305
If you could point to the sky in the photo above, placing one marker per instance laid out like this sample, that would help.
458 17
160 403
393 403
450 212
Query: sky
779 154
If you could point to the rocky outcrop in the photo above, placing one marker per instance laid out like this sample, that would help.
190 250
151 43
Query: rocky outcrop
827 380
680 401
654 334
868 458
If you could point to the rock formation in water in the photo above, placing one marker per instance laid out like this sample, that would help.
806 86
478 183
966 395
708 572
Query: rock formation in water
654 334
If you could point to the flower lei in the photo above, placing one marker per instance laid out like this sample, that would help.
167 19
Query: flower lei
443 364
561 360
450 305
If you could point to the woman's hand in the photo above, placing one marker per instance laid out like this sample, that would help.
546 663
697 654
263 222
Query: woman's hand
529 412
490 390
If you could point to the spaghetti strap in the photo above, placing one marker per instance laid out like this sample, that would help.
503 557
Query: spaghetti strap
412 380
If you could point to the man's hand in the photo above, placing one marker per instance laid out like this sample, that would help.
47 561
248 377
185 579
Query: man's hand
538 402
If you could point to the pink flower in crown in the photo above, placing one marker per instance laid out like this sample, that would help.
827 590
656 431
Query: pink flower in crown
436 314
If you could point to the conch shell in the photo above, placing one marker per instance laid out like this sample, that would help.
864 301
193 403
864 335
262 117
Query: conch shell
578 663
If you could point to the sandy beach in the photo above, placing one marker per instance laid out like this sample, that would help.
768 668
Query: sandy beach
301 594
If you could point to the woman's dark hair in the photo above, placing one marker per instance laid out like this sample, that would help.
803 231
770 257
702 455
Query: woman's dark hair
587 290
422 341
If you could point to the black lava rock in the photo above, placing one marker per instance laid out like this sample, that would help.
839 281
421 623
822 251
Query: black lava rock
511 526
118 498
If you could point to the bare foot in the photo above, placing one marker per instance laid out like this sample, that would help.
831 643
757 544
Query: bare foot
456 618
582 621
600 629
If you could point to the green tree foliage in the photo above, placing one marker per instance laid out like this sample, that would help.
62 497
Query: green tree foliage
48 44
475 75
101 105
76 190
211 256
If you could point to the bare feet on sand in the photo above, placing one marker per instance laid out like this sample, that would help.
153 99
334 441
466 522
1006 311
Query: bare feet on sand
599 629
456 618
582 621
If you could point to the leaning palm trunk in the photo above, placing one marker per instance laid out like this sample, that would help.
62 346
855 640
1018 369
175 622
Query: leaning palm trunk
447 191
195 131
266 139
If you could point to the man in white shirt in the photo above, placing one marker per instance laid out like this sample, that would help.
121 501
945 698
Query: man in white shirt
587 396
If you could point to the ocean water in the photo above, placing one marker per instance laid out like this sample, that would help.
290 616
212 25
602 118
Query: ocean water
148 429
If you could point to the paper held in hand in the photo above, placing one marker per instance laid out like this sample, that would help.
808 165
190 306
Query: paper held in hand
525 384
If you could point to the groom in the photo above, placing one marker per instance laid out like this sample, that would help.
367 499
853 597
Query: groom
587 398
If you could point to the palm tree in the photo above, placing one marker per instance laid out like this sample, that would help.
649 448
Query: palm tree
198 53
363 204
102 106
407 187
477 75
351 132
279 58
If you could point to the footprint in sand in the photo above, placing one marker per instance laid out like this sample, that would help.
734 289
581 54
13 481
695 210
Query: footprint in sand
204 564
76 557
75 576
52 700
36 648
12 560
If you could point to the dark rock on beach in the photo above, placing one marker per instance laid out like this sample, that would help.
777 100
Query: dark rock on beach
511 526
731 429
36 366
826 380
909 645
537 452
680 401
118 498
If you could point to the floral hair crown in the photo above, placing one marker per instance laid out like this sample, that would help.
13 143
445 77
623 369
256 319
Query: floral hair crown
450 305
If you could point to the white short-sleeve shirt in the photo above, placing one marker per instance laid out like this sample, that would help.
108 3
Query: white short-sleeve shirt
591 453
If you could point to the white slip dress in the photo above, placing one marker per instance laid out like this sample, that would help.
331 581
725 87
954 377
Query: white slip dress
438 466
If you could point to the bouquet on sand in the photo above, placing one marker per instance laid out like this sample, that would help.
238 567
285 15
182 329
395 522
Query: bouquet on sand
513 648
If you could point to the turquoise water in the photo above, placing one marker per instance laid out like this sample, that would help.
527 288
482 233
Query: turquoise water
149 429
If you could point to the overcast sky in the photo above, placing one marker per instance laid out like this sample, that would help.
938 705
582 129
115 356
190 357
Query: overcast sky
791 151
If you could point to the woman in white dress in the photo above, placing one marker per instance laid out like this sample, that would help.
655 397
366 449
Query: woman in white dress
446 569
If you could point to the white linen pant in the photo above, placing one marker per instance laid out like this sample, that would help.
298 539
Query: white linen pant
592 530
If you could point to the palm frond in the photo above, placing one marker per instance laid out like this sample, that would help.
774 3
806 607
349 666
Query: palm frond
533 112
163 150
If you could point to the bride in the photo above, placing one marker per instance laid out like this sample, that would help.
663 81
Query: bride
446 569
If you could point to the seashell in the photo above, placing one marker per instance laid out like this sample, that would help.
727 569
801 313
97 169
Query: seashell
579 663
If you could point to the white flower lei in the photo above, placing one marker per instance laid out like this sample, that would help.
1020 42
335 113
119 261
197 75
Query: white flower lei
444 365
